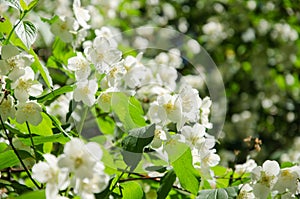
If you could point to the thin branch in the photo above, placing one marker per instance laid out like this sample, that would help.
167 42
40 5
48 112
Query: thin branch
31 140
17 154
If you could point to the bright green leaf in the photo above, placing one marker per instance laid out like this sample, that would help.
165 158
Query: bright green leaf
55 93
181 159
3 146
40 194
27 32
128 111
136 111
8 159
166 184
59 138
132 190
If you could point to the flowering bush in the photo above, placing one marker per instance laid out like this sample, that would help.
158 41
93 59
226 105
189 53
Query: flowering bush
88 111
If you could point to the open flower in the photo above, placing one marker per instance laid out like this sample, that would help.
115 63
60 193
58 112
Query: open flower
80 65
26 86
63 27
266 177
29 111
80 158
13 62
49 172
102 54
85 91
194 136
82 15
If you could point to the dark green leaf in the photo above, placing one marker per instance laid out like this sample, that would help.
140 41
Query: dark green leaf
166 184
133 144
226 193
27 32
60 138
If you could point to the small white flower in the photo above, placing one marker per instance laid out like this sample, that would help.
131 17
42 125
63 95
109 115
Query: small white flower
13 62
85 91
26 86
82 15
102 54
265 176
80 158
48 172
63 28
246 192
205 111
7 108
248 166
104 101
288 180
80 65
194 136
29 111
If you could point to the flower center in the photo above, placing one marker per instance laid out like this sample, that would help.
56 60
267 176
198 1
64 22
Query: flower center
169 107
29 109
78 162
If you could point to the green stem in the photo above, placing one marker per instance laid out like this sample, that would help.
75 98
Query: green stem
82 120
119 178
17 154
31 140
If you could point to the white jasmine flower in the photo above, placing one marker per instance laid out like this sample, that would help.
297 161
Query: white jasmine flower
102 54
80 65
82 15
107 33
26 86
205 111
29 111
104 101
80 158
166 108
13 62
288 180
265 176
246 192
63 28
194 136
49 172
7 108
248 166
86 187
85 91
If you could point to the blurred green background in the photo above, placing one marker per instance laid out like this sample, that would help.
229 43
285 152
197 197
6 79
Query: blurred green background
255 45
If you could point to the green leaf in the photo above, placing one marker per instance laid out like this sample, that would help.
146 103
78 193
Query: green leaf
133 144
55 93
132 190
226 193
59 138
40 194
166 184
27 32
8 159
32 4
180 157
127 110
3 146
43 129
136 111
43 70
13 3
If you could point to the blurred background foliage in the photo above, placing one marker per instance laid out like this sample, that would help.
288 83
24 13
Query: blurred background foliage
255 45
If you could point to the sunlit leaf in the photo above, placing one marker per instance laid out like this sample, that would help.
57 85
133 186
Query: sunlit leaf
27 32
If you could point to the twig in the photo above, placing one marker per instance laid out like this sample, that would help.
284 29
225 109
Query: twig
31 140
18 156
